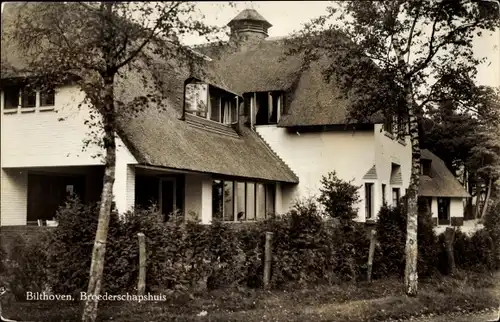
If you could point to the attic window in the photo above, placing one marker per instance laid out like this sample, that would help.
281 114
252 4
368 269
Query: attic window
211 103
268 107
425 167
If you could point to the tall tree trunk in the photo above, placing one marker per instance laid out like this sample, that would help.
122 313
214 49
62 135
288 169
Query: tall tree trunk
411 251
99 250
487 199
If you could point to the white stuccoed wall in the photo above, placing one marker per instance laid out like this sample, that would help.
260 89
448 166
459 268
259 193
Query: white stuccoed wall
39 139
388 151
312 155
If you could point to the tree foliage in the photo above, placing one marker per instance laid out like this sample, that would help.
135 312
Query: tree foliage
417 53
106 49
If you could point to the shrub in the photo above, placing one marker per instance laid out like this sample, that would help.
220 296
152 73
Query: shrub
474 252
338 197
70 247
391 236
26 269
492 227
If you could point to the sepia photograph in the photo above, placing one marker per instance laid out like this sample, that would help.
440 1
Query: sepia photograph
224 161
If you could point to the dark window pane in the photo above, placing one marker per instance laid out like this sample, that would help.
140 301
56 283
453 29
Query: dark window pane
47 97
28 98
270 193
368 200
11 97
228 201
217 199
215 106
395 197
262 108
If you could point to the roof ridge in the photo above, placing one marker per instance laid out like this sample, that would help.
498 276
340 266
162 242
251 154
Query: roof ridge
275 154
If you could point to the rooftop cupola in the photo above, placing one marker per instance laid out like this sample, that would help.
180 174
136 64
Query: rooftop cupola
249 25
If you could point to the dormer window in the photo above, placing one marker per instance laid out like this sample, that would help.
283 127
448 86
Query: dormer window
269 106
425 167
211 103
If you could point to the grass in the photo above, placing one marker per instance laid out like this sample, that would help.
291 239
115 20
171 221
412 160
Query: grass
379 301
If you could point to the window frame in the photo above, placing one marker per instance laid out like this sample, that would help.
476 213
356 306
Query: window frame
395 201
273 108
268 187
42 99
369 200
384 199
28 93
47 93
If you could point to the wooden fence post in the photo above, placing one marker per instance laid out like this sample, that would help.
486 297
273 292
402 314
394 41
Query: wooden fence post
449 236
267 259
141 283
371 253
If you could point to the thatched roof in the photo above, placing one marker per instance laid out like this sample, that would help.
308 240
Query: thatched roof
268 66
441 182
250 14
158 136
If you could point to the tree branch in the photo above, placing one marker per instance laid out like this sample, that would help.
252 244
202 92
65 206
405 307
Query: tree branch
162 17
448 39
410 36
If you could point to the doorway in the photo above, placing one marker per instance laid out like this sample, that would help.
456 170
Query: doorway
168 196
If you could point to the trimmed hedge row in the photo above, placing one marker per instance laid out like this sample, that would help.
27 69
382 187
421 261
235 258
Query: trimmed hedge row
309 246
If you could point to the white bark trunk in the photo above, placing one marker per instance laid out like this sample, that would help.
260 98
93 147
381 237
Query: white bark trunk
99 250
411 250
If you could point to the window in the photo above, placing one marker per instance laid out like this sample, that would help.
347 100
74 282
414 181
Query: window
443 211
268 107
215 108
228 111
28 97
248 200
389 124
217 199
11 97
211 103
270 198
47 97
228 201
395 196
240 201
195 100
383 194
260 197
425 167
369 200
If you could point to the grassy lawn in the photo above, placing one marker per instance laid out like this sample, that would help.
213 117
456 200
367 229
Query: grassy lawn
379 301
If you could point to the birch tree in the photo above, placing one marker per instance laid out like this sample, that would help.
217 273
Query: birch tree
398 57
95 45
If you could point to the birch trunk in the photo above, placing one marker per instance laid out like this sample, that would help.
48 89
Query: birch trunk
487 199
99 249
411 250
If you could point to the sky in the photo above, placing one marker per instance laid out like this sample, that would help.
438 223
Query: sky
288 16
